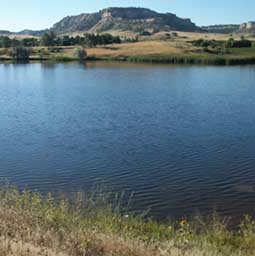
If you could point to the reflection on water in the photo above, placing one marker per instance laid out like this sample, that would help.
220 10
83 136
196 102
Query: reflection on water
180 138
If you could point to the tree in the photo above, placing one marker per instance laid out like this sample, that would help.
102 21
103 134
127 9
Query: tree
30 42
19 53
81 54
90 40
48 39
231 43
5 42
66 41
42 53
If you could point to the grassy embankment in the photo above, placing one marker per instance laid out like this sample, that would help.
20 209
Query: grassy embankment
155 49
32 225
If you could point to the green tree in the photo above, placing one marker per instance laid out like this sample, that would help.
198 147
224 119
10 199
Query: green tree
48 39
30 42
19 53
5 42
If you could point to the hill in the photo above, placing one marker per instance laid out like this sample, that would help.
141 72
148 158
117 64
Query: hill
5 32
124 19
222 29
248 27
129 21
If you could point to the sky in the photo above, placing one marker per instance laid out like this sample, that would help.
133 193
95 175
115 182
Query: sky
17 15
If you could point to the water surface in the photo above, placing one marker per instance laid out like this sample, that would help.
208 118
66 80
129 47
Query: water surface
180 138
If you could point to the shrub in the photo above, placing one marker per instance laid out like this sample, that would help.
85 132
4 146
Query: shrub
3 51
19 53
81 54
231 43
42 53
145 33
5 42
207 43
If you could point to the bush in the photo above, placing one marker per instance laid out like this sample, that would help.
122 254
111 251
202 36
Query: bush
42 53
207 43
231 43
5 42
3 51
81 54
145 33
19 53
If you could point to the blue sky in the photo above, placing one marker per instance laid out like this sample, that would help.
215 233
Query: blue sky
39 14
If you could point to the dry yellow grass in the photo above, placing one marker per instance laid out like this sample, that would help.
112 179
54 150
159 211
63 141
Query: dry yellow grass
23 233
154 45
140 48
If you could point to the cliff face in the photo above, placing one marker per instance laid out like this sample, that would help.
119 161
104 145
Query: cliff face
124 19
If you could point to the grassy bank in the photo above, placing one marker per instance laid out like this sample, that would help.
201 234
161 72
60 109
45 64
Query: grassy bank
172 52
33 225
198 60
185 60
153 51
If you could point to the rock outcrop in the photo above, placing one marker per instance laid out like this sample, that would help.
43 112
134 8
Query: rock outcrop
248 27
123 19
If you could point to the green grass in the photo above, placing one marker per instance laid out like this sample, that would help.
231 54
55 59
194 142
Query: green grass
236 56
62 58
244 52
31 224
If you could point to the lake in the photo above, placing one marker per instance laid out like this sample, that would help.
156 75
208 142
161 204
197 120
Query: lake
181 139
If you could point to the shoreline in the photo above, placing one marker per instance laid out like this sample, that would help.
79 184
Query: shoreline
94 226
180 60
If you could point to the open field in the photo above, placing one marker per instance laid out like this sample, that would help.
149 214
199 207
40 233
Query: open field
140 48
32 225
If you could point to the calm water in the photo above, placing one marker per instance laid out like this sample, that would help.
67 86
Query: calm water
181 138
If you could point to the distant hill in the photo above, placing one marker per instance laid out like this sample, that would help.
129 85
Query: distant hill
131 19
222 29
248 27
29 32
26 32
5 32
123 19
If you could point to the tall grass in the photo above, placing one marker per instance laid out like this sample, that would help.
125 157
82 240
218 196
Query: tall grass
31 224
199 60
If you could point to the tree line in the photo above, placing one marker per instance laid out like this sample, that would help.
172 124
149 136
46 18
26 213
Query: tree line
231 43
50 39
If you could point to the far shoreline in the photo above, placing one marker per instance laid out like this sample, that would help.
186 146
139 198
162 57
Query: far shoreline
178 60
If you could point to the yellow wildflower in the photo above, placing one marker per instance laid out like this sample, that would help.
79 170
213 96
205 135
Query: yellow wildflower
183 222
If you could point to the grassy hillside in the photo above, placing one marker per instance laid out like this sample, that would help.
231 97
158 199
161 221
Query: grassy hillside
32 225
